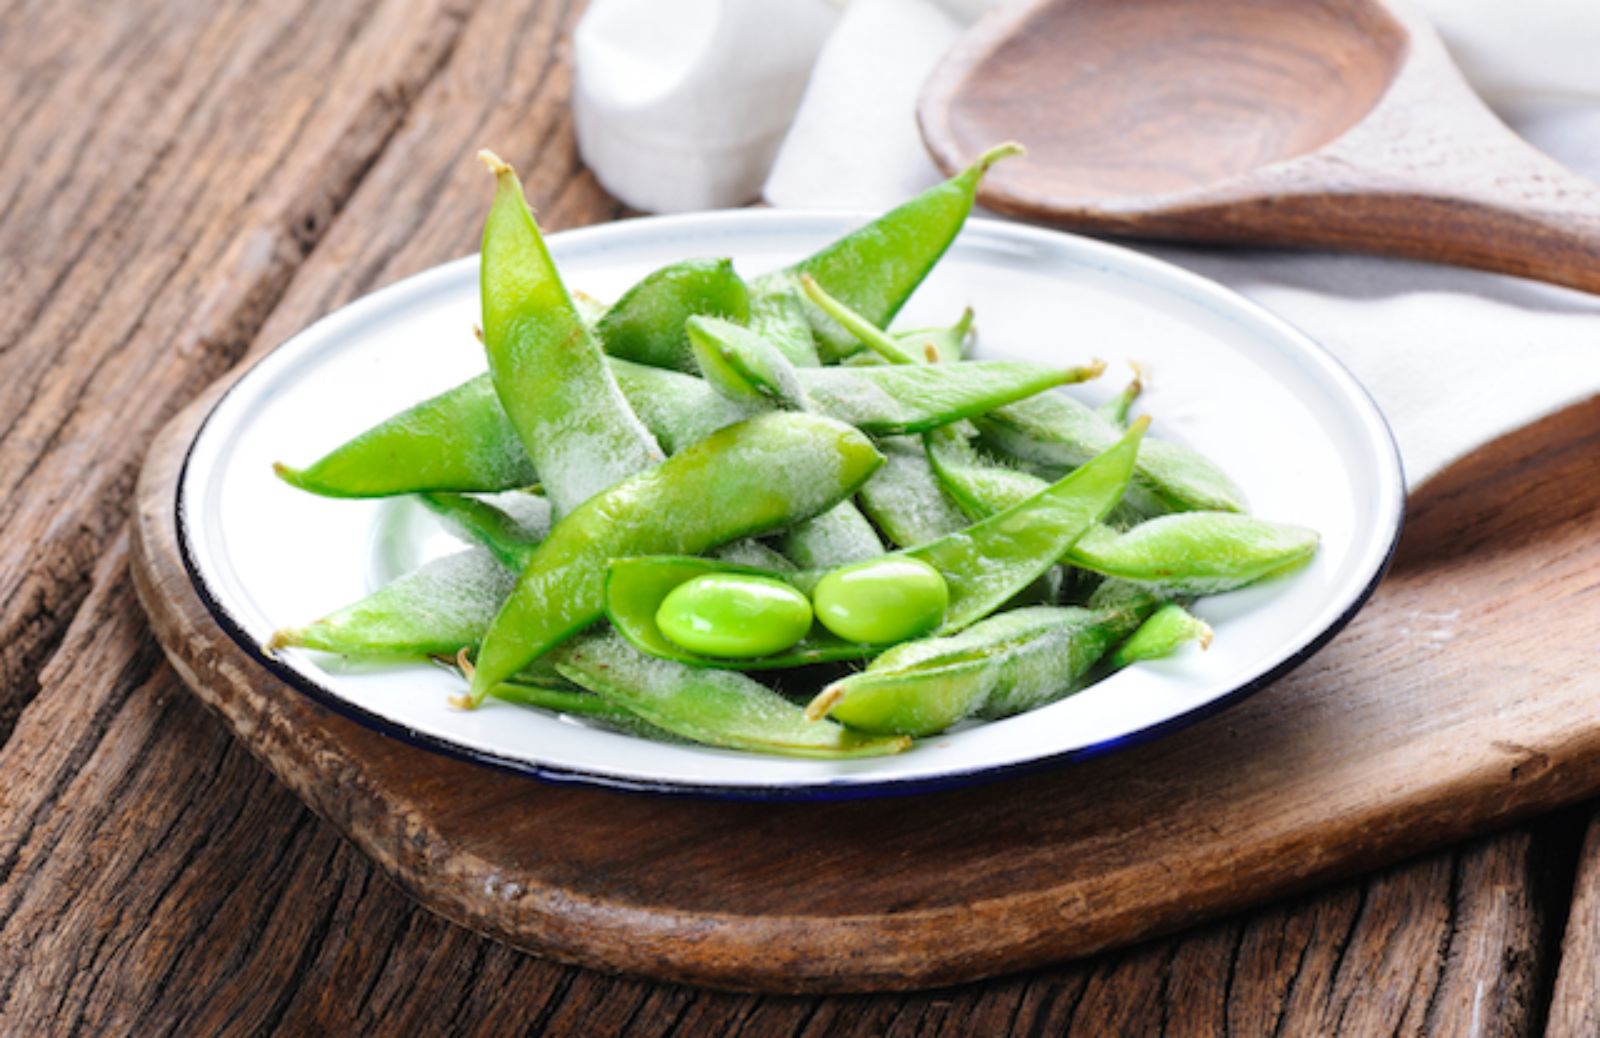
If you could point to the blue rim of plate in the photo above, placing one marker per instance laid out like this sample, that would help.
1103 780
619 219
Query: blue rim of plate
824 790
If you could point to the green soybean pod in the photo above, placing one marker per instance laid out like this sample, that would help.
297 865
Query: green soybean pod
646 324
1196 553
1054 430
761 474
435 610
905 500
1004 665
636 587
1167 630
548 369
734 615
713 707
988 563
882 601
460 439
875 268
943 345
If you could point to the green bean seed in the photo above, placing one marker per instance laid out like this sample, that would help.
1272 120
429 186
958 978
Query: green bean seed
734 615
881 601
637 586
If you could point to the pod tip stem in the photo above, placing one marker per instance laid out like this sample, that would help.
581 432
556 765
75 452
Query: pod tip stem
1207 635
494 163
290 475
282 638
996 153
1087 372
824 701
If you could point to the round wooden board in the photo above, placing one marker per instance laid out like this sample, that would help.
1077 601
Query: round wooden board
1456 701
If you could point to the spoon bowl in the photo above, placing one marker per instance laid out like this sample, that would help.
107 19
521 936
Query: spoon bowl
1282 122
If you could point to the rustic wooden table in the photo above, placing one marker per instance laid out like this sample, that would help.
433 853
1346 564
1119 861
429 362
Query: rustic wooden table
184 185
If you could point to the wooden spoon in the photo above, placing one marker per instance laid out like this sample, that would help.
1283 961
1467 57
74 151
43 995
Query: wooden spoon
1281 122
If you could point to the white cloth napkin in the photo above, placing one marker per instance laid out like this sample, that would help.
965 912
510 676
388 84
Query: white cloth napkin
681 104
1454 358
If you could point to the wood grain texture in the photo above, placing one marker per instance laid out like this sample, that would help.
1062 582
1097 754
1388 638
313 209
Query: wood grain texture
156 879
179 888
1575 1007
1287 122
150 222
1383 745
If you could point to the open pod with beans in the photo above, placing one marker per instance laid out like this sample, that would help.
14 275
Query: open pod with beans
669 503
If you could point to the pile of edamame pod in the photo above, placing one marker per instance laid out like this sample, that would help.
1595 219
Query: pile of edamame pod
746 515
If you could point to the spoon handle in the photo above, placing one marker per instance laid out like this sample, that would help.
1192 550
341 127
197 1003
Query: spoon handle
1433 174
1524 215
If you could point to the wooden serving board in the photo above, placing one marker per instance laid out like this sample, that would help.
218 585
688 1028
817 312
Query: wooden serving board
1462 697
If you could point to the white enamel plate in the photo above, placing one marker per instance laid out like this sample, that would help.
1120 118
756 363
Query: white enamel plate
1280 415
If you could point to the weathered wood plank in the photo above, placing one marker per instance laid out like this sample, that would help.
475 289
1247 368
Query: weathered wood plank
1575 1005
176 882
167 167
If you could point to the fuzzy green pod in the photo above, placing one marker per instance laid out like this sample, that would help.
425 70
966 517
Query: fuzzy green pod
761 474
549 372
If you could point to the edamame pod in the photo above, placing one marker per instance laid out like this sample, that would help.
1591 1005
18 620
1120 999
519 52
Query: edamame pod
568 700
761 474
944 345
436 610
713 707
1055 431
839 536
678 409
636 587
1167 630
882 401
1196 553
462 441
757 375
1004 665
646 324
1184 552
988 563
444 603
866 332
875 268
778 315
906 501
892 401
1190 553
548 370
980 486
510 525
1052 429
